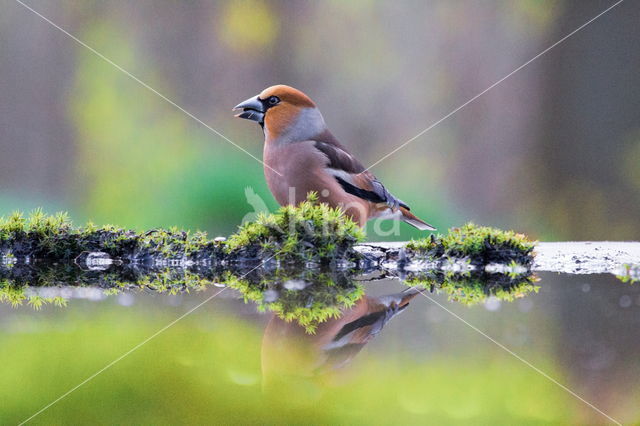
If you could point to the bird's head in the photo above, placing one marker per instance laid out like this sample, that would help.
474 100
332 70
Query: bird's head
286 114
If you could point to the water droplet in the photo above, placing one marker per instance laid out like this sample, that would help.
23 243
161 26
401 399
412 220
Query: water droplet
625 301
126 299
270 296
295 284
492 304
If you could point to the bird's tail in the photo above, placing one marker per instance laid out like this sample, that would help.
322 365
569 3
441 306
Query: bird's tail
398 301
412 220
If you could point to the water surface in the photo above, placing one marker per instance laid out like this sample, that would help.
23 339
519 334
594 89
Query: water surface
425 363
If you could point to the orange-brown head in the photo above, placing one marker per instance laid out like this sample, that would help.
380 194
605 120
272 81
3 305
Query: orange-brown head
286 114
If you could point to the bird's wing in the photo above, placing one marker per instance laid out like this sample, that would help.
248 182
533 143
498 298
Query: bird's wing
353 177
354 335
351 339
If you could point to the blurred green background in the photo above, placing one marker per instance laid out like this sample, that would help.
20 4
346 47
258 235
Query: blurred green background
424 367
553 151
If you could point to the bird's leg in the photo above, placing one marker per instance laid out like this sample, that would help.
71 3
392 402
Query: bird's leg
392 202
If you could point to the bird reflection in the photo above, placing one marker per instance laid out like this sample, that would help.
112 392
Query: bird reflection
322 318
290 353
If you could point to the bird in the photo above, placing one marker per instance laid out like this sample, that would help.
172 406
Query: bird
290 352
301 156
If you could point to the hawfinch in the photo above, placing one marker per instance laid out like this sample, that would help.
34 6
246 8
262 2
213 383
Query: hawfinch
301 155
291 353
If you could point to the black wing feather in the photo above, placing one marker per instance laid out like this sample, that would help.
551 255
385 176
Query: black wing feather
340 159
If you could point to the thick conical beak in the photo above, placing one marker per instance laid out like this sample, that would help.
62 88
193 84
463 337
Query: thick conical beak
252 109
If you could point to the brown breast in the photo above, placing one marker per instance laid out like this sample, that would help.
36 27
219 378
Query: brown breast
302 169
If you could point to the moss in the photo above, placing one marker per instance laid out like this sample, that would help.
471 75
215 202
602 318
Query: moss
308 297
480 244
17 295
471 289
629 273
11 294
41 236
21 284
310 232
172 281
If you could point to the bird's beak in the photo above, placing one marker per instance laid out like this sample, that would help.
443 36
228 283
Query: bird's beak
252 109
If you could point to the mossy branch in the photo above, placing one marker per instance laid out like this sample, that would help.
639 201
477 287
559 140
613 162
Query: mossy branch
302 263
310 234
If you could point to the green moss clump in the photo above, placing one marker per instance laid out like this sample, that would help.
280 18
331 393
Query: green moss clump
309 232
314 297
162 280
472 289
17 295
309 297
21 285
11 294
629 273
480 244
40 236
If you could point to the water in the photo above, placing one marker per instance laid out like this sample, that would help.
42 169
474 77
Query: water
206 356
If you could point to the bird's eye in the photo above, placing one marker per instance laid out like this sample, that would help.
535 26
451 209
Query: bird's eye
274 100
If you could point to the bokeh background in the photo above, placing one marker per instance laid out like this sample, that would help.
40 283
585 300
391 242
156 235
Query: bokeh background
553 151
